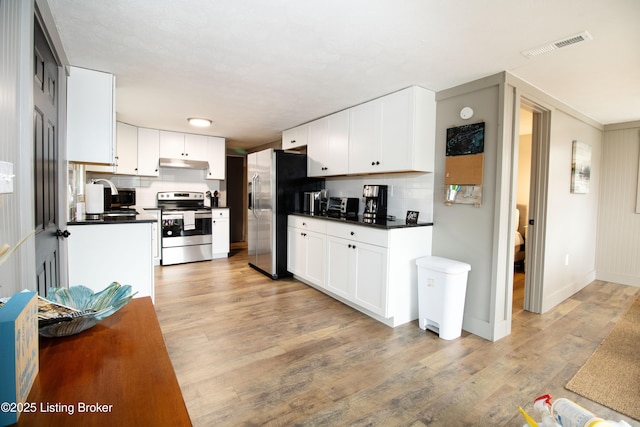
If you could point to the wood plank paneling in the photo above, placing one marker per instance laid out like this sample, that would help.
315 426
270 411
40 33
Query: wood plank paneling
618 241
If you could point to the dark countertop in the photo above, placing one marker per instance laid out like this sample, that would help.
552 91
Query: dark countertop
386 225
137 219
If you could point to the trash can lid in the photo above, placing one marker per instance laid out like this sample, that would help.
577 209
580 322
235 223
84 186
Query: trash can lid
443 265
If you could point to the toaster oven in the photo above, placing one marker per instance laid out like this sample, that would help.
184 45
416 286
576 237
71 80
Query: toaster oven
343 207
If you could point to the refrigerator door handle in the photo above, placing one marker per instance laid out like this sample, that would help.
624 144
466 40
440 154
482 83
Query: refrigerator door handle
252 195
256 189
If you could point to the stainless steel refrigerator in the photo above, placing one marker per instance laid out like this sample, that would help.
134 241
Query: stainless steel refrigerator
276 179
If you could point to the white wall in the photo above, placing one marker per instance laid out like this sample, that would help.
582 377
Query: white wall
618 249
572 219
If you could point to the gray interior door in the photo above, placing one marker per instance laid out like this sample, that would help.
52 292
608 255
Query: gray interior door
45 117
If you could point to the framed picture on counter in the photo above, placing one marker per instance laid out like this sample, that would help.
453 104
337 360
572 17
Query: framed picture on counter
412 217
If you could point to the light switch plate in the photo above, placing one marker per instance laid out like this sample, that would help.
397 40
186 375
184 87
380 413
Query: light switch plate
6 177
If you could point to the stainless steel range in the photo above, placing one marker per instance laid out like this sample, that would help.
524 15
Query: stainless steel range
186 227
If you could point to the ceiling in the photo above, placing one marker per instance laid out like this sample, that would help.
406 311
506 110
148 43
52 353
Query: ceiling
256 68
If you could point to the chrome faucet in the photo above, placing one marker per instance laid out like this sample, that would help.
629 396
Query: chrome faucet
114 190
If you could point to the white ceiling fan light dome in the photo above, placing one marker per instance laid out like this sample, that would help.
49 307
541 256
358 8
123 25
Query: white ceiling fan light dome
199 122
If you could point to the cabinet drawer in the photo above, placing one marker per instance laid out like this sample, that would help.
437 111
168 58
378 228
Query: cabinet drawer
310 224
219 213
358 233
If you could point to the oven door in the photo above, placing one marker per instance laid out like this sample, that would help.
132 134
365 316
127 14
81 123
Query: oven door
186 237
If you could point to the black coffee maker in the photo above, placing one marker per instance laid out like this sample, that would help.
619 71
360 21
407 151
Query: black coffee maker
375 203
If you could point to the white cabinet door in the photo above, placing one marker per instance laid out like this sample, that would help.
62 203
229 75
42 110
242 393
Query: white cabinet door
295 137
296 251
317 147
314 257
126 149
408 130
306 254
217 158
370 288
90 116
171 144
396 137
328 145
195 147
364 137
148 152
220 233
340 257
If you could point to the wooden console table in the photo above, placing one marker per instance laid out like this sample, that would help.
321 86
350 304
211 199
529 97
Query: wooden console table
117 373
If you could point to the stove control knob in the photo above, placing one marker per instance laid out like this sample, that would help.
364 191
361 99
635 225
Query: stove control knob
169 233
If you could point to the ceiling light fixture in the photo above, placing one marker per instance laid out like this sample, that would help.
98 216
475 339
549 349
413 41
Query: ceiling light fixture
198 122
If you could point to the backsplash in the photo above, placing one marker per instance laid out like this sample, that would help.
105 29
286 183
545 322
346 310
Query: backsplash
170 179
407 191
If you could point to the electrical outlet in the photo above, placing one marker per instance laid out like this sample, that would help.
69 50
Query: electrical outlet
566 259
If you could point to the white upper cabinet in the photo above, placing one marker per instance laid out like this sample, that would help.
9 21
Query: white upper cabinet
295 137
394 133
364 137
126 149
171 144
328 145
217 158
195 146
90 116
176 145
148 152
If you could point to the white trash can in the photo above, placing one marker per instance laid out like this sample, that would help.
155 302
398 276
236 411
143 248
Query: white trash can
442 286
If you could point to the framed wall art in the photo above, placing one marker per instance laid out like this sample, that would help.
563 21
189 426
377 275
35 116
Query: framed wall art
580 167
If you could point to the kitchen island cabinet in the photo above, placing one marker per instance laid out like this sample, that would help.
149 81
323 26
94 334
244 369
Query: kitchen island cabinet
101 253
370 267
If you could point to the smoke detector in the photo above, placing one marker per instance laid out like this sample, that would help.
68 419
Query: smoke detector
567 41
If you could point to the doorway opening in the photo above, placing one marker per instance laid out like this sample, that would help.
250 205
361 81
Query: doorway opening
530 195
521 214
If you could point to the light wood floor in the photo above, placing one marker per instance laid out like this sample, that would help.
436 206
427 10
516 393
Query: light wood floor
249 351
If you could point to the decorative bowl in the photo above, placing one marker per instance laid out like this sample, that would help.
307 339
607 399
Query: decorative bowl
70 311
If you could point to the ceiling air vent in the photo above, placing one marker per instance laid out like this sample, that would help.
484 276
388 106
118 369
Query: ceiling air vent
567 41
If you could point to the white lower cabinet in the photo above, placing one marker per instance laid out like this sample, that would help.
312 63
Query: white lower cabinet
358 271
370 269
306 249
220 233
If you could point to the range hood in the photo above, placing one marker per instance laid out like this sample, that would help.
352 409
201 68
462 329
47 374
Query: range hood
166 162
